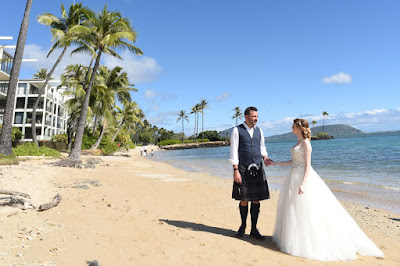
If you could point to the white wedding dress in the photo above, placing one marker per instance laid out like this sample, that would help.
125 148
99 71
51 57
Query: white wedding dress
314 225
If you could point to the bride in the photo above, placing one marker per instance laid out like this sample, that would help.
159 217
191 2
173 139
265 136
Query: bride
310 221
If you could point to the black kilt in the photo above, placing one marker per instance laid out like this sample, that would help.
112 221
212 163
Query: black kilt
252 188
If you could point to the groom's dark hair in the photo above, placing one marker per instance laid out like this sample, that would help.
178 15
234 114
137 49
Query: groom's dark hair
248 109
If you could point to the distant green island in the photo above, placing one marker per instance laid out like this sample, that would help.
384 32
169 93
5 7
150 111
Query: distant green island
334 130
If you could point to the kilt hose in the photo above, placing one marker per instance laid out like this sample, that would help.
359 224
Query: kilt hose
253 187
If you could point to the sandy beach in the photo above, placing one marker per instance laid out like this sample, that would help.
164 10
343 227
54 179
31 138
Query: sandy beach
135 211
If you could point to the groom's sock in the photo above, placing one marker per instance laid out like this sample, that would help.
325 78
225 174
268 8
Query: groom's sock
254 211
243 215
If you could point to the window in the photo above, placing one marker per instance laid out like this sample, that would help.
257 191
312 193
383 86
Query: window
19 117
21 89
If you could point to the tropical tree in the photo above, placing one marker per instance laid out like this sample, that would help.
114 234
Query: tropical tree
324 115
61 38
6 131
313 123
203 105
41 74
237 115
182 116
195 110
103 33
128 116
73 80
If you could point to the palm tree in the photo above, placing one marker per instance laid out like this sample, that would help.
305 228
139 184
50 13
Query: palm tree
102 33
60 31
238 114
6 131
313 123
128 115
41 74
195 110
324 115
111 85
182 116
203 105
73 79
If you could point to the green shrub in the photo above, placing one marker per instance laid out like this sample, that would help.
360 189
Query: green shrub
177 141
30 149
321 134
169 142
16 134
131 145
88 140
60 138
107 146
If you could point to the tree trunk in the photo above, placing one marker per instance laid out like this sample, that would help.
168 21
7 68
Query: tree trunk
116 133
194 132
98 141
202 127
40 93
75 155
6 132
183 131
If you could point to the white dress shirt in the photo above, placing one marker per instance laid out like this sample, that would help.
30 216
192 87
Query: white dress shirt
235 143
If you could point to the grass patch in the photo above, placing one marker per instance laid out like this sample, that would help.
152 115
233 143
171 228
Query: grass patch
8 160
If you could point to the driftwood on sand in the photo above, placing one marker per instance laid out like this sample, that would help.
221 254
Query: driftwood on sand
14 193
19 199
51 204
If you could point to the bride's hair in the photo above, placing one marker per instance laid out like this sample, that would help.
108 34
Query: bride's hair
303 125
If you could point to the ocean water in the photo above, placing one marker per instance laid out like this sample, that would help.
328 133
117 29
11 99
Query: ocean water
362 169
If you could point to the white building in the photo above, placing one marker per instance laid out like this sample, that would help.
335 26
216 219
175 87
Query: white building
51 117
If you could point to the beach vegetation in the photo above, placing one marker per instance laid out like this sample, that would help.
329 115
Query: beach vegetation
237 115
313 124
213 135
195 110
203 105
324 116
6 131
8 159
103 33
62 37
131 145
182 116
177 141
60 138
31 149
107 146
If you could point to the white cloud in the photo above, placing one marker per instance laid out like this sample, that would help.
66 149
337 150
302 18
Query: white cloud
140 69
149 94
33 51
163 118
339 78
369 121
223 96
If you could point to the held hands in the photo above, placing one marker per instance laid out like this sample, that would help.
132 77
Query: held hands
268 161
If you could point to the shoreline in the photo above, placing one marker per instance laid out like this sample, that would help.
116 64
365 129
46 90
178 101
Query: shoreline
135 211
363 194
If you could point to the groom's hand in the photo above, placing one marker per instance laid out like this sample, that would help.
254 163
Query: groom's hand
237 177
267 161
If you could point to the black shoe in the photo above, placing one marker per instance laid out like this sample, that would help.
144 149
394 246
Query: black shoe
254 233
240 232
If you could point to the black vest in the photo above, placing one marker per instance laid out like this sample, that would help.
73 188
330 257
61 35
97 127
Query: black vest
249 148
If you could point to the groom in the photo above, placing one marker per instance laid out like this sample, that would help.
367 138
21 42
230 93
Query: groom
250 184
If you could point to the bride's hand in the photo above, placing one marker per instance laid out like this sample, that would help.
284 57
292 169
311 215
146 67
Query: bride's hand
301 189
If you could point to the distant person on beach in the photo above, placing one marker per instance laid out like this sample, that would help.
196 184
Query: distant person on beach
152 153
141 151
310 221
250 184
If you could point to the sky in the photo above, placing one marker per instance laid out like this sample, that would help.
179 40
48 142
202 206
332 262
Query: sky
290 59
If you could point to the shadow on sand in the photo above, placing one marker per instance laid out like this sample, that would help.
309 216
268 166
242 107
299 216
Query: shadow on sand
267 243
